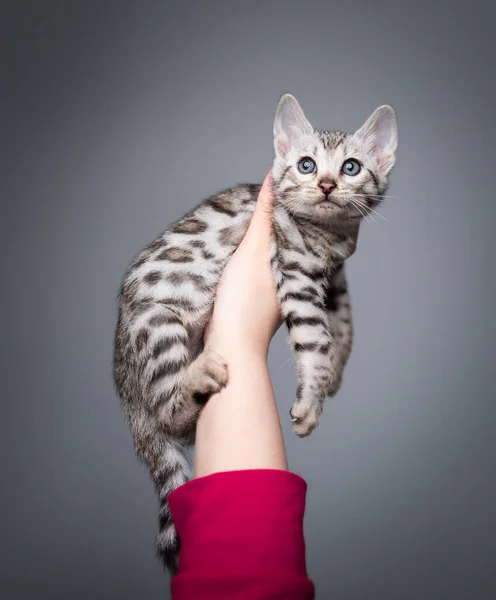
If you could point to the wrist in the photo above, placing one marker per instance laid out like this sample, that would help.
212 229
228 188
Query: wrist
241 356
237 350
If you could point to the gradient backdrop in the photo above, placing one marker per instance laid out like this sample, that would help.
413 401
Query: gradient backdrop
117 117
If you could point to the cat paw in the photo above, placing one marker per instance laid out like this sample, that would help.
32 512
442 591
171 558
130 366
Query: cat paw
207 375
305 416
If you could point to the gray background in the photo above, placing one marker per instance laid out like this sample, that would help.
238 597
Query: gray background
117 117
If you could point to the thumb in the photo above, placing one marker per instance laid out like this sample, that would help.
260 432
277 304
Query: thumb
261 221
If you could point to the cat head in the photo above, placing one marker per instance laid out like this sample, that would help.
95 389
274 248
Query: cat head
330 175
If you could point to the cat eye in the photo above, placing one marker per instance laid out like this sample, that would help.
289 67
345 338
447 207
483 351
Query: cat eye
351 167
307 166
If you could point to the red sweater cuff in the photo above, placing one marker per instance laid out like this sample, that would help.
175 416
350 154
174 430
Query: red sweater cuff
241 536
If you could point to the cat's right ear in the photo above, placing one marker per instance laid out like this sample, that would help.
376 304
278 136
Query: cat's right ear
289 125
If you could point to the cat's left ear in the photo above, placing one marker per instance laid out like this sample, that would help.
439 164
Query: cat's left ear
290 124
379 134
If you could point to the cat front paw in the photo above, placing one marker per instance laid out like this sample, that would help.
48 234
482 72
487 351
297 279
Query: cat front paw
207 374
305 415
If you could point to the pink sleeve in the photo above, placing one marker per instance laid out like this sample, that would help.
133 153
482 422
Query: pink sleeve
241 537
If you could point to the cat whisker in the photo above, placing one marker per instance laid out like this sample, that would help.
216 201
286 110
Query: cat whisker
362 211
379 214
290 359
294 205
364 215
371 209
369 216
374 196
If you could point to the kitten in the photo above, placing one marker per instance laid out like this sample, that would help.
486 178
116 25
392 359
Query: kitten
324 184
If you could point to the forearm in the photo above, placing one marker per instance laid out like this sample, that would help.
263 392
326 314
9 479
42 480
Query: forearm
240 520
239 428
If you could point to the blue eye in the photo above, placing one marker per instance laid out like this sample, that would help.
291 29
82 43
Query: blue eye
307 166
351 167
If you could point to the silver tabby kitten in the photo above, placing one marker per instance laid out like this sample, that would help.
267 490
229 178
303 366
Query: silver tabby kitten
325 182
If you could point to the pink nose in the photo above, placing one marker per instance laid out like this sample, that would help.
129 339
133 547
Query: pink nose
327 186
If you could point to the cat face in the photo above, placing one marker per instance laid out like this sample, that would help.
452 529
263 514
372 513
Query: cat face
330 175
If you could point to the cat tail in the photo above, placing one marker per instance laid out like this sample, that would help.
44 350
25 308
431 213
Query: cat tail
172 471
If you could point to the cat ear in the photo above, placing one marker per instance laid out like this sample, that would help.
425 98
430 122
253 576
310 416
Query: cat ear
380 136
290 124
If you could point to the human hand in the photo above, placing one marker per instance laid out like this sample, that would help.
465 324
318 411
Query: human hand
246 311
239 427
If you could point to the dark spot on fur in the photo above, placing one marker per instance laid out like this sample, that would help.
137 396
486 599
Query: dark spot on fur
184 303
301 297
288 276
153 277
164 320
231 236
181 255
310 249
293 320
308 289
165 370
332 139
285 172
163 345
178 277
190 226
207 255
222 204
340 236
374 178
310 273
307 347
142 339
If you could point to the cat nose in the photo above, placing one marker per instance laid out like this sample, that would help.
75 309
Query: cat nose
327 186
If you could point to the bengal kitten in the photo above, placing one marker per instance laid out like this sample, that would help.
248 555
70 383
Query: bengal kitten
325 182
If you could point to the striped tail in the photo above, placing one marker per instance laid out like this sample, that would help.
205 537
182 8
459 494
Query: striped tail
173 470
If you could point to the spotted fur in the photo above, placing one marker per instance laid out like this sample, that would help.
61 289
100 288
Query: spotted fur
161 369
